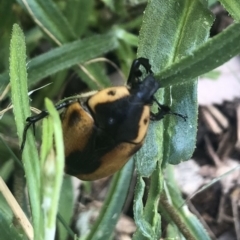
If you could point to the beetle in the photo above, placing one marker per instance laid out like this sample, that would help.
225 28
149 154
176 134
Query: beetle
102 131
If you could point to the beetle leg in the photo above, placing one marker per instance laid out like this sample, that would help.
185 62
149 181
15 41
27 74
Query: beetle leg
162 111
32 120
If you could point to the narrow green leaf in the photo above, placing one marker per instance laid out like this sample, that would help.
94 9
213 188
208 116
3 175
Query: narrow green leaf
67 56
5 209
4 79
189 220
233 7
47 141
13 156
127 37
53 168
111 210
18 78
148 219
173 232
151 213
205 58
7 170
7 20
98 75
78 13
66 206
48 17
70 54
144 227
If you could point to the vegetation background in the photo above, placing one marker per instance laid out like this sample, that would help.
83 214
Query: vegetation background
80 45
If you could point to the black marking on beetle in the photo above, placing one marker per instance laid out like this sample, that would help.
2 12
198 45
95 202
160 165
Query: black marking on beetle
111 92
74 118
88 160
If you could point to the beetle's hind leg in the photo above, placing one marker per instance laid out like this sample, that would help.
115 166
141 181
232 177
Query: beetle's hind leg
162 111
32 120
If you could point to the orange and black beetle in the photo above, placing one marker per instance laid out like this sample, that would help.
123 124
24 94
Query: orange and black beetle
104 130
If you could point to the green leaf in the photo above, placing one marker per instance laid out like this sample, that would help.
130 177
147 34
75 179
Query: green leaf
147 219
127 37
67 56
96 73
173 36
7 20
70 54
146 158
13 156
48 17
66 206
205 58
18 79
232 6
6 169
5 209
52 168
4 79
141 223
78 13
111 210
189 221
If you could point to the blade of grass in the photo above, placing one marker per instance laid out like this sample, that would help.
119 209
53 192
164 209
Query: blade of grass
65 213
110 212
178 212
18 78
48 17
78 14
205 58
232 6
67 56
52 161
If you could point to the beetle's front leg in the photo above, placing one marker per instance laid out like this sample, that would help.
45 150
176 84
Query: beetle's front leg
162 111
32 120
